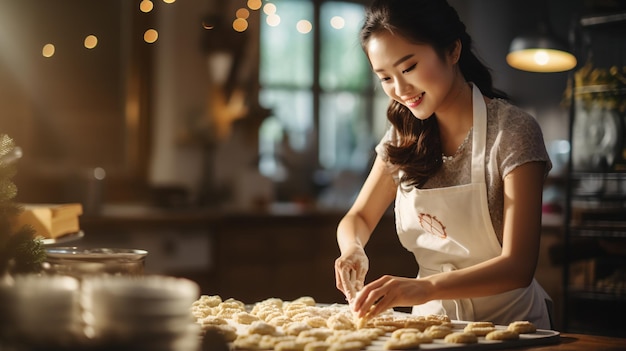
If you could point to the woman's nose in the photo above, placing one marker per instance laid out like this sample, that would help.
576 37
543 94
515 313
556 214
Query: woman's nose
402 87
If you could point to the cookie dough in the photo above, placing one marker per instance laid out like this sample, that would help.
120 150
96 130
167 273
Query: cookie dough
461 338
522 327
502 334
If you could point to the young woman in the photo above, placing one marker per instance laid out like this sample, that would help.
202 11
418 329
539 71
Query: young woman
465 169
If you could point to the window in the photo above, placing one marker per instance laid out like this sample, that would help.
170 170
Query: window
317 81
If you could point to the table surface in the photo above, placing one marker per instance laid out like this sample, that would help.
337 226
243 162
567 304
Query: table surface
580 342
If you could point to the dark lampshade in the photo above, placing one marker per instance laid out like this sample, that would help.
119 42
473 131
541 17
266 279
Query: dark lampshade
539 53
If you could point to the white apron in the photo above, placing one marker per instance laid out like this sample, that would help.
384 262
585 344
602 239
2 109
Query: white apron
450 228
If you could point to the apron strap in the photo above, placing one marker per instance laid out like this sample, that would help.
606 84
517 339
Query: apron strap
479 137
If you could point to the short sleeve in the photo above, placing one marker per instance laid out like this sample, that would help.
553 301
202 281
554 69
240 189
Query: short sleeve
519 141
381 149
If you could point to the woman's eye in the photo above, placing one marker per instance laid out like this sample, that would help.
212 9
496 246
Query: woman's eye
384 79
410 68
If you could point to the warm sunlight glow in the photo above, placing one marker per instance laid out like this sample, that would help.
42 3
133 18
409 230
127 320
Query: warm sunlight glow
304 26
91 41
337 22
269 9
240 25
242 13
150 36
254 4
272 20
48 50
146 6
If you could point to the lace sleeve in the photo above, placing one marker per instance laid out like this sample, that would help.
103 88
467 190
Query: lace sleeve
521 141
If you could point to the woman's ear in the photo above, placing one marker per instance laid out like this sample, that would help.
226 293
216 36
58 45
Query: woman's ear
455 51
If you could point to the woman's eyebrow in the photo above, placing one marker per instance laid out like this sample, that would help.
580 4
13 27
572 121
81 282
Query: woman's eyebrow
402 59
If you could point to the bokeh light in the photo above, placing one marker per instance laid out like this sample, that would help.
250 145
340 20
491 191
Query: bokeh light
91 41
337 22
269 9
240 25
146 6
254 4
272 20
242 13
304 26
48 50
150 36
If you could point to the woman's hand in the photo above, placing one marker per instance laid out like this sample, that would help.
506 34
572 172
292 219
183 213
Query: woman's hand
350 270
388 292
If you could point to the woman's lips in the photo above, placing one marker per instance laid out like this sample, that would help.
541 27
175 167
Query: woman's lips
414 101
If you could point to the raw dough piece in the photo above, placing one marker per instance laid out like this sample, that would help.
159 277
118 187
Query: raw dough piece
479 330
438 331
340 321
502 334
461 338
244 318
398 333
522 327
407 341
319 333
227 331
296 328
317 346
262 328
346 346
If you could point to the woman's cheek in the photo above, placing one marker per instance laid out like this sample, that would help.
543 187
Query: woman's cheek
388 89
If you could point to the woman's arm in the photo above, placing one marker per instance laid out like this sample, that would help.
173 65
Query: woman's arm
514 268
356 227
371 203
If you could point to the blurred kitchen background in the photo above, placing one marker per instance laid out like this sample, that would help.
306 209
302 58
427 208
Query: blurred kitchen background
227 138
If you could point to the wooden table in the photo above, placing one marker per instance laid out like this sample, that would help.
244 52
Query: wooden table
583 342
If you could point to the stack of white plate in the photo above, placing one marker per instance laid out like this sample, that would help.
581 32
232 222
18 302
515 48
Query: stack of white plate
148 312
41 310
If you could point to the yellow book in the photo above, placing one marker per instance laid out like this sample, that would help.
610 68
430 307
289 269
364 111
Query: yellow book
51 220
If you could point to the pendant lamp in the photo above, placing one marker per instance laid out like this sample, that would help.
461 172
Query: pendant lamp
540 51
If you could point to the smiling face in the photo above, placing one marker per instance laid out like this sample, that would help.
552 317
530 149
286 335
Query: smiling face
413 74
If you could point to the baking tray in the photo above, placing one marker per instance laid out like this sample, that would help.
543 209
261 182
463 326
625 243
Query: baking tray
540 337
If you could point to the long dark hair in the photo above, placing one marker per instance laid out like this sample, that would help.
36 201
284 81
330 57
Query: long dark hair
436 23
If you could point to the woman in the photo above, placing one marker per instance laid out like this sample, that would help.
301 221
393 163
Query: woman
465 169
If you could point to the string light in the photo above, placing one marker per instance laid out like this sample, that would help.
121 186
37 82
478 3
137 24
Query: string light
273 20
337 22
254 4
146 6
269 9
90 41
242 13
150 36
240 25
48 50
304 26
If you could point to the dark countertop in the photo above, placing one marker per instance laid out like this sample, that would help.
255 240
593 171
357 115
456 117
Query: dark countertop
144 216
580 342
